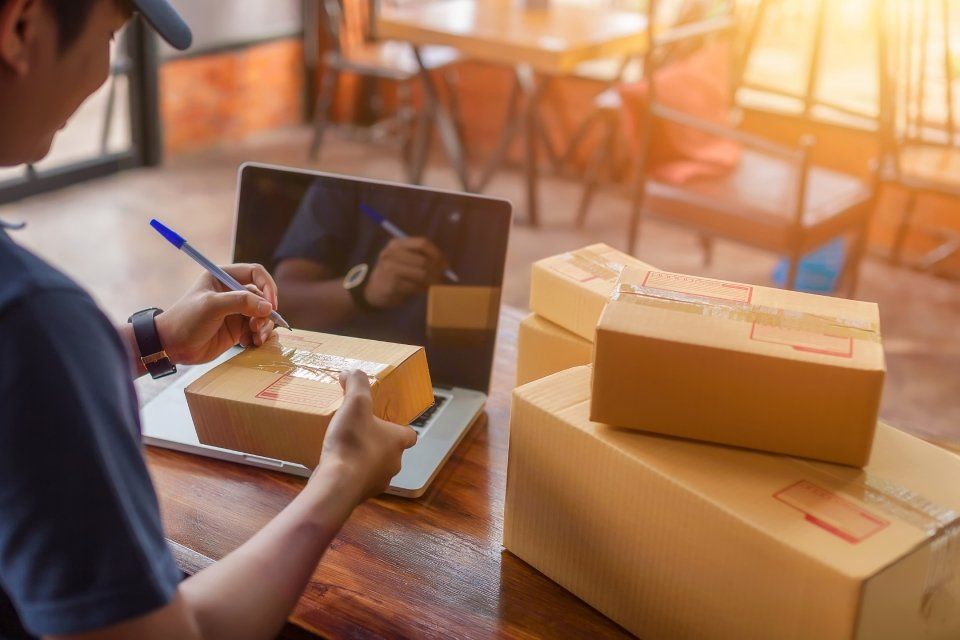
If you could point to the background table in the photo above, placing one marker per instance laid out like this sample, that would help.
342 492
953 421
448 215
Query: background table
427 568
537 44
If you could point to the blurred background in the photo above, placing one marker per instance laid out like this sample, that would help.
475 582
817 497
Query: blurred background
799 143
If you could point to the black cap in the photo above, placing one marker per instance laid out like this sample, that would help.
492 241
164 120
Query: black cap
166 21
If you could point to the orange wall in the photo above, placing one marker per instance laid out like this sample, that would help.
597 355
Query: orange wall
226 96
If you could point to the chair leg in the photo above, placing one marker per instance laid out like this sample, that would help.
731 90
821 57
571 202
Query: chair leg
855 257
451 88
636 211
512 124
320 118
591 178
408 132
422 138
794 259
706 245
578 136
897 252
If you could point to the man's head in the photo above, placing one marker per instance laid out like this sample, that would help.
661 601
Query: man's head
53 55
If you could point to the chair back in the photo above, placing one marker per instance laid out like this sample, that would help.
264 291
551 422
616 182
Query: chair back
349 23
716 21
696 23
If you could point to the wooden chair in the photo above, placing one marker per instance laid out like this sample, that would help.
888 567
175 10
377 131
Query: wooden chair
774 199
605 119
355 50
920 152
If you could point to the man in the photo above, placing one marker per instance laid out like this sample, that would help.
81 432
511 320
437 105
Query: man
82 551
342 272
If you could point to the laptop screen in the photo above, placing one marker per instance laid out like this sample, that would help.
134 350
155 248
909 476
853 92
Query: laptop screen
427 265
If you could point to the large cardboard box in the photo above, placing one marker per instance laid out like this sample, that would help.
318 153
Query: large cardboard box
544 348
277 400
572 288
741 365
680 539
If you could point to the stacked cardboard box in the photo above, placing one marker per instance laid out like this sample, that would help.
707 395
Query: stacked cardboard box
567 295
682 538
675 539
742 365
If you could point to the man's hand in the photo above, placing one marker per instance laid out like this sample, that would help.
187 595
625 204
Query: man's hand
406 267
209 319
361 446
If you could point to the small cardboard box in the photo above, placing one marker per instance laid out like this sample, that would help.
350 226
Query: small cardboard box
459 308
742 365
680 539
572 288
277 400
544 348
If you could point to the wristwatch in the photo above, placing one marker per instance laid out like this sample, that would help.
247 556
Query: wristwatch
152 355
355 282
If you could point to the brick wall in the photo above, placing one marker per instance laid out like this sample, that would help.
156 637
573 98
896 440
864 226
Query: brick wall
227 96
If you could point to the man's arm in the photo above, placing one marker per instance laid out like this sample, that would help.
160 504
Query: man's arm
250 593
208 319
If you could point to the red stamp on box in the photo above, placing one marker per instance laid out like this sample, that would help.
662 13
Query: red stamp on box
701 287
308 393
825 509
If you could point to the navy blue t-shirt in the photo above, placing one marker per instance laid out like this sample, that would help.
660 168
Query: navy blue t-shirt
81 540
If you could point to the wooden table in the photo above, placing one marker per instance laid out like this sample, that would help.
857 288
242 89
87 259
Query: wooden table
427 568
537 44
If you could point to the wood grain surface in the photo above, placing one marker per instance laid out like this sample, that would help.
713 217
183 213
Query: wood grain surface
552 40
427 568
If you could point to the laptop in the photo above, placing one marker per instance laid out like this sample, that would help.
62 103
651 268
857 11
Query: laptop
295 221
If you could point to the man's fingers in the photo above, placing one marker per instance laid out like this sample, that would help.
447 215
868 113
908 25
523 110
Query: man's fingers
356 387
239 302
257 275
424 247
408 272
409 437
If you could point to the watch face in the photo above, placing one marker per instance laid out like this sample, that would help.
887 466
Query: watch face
356 276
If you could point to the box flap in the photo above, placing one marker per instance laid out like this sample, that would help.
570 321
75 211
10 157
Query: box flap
856 521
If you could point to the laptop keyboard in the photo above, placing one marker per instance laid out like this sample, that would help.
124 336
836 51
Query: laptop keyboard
420 424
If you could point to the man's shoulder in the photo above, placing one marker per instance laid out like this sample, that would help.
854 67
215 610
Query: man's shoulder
24 274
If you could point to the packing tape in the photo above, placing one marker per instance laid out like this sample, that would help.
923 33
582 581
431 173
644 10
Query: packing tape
595 264
308 365
940 524
747 312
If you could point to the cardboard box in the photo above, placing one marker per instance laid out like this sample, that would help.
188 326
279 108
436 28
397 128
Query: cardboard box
572 288
456 307
544 348
680 539
742 365
277 400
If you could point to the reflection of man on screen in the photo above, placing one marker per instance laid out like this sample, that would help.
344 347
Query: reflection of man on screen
340 271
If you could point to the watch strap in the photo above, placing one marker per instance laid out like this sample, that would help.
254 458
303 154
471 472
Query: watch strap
152 354
358 293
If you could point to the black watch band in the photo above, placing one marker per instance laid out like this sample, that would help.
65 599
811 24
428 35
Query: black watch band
355 282
359 295
152 355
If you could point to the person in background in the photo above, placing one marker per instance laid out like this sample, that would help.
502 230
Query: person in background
341 272
82 548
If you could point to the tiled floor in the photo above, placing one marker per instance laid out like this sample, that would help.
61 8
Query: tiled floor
98 232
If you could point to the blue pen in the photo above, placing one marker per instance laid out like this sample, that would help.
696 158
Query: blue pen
218 273
397 232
